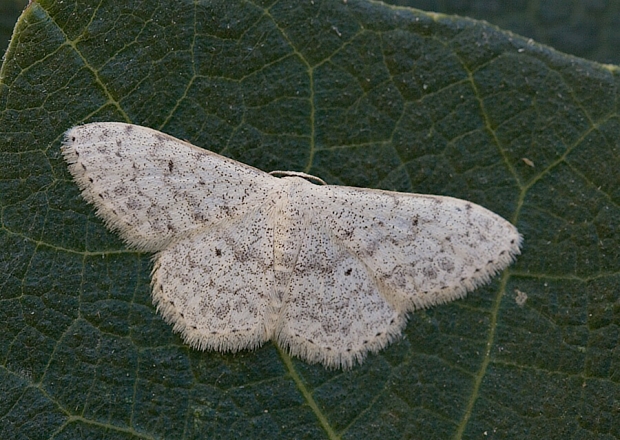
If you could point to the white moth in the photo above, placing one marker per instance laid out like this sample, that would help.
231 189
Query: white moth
327 272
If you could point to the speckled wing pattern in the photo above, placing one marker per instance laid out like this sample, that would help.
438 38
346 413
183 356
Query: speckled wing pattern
153 188
327 272
216 286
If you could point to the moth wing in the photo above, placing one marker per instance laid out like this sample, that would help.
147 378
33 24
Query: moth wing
422 250
216 285
334 312
153 188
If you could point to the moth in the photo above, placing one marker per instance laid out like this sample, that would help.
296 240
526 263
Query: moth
329 273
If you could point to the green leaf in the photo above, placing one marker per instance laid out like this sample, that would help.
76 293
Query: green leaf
357 93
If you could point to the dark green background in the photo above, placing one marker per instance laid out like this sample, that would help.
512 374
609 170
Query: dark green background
586 28
357 93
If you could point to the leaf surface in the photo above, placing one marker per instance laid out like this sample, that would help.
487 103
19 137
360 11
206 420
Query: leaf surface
357 93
